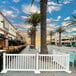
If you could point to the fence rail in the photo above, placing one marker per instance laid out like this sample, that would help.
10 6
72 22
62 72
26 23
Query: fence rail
35 62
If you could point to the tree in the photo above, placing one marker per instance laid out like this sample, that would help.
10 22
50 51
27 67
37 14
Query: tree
34 19
43 8
51 34
30 32
60 30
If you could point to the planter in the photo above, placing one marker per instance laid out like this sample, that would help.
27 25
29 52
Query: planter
32 46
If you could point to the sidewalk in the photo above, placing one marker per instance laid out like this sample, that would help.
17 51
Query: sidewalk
27 50
34 51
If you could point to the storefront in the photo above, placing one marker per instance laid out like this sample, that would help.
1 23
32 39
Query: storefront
2 41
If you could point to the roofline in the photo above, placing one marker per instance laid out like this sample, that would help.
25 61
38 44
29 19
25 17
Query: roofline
7 20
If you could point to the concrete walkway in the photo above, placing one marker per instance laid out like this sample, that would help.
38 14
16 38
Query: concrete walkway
41 74
27 50
32 51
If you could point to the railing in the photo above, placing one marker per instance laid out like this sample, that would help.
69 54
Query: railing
35 62
61 60
53 62
17 62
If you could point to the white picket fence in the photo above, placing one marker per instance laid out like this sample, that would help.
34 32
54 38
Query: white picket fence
35 62
60 60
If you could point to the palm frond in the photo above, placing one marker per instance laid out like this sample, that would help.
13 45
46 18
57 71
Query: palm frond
60 29
72 21
33 19
31 30
51 33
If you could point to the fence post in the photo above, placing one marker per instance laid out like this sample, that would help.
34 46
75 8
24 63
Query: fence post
4 69
68 61
37 70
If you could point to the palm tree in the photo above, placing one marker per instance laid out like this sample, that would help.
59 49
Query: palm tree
60 30
51 34
43 8
34 19
30 32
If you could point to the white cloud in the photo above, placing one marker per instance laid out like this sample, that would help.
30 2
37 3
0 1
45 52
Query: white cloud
24 26
52 3
15 9
16 1
58 18
13 16
52 19
67 18
48 19
30 9
27 26
9 13
51 27
53 8
24 17
65 24
67 1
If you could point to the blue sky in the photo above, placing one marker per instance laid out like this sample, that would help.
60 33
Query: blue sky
57 14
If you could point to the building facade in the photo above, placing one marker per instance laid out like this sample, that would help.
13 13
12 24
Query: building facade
7 31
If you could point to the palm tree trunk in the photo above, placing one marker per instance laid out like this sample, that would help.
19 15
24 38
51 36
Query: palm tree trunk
59 39
43 7
50 39
33 39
